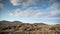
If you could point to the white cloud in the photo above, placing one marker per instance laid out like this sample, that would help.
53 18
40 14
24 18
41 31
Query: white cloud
10 14
1 5
53 11
22 2
34 13
29 2
16 13
26 3
55 5
16 2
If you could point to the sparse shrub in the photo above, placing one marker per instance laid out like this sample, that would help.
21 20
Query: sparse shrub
29 29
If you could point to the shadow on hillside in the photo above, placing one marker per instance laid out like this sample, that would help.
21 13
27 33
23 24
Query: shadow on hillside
17 27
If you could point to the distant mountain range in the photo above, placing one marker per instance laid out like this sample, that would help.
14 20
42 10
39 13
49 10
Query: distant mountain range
10 22
4 22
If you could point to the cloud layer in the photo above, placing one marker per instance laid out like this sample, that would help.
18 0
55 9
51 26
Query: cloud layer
35 13
39 10
53 9
22 2
1 5
26 3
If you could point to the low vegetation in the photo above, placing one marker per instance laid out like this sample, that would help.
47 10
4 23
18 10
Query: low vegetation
25 28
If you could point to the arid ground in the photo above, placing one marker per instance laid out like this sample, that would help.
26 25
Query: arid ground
26 28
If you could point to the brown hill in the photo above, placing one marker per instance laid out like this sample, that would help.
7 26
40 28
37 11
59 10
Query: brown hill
26 28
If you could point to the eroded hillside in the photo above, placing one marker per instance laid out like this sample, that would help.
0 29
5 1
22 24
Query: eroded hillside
25 28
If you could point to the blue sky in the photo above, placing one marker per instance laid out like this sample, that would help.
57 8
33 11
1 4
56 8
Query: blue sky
30 11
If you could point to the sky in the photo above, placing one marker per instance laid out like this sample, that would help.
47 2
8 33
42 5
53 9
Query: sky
30 11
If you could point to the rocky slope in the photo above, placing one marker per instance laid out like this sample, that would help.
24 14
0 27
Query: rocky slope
17 27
